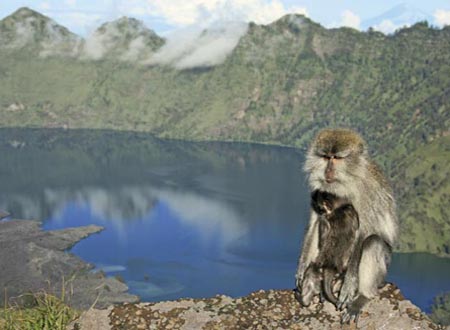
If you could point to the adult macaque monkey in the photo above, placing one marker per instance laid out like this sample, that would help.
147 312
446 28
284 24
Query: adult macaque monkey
338 162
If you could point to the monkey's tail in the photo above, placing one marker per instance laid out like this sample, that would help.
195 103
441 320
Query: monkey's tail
328 276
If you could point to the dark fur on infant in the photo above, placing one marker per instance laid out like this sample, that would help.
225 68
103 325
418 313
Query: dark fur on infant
338 227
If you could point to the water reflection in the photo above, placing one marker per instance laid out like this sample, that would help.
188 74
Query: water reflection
181 219
123 205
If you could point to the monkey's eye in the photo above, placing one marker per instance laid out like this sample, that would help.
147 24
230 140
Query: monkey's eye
321 155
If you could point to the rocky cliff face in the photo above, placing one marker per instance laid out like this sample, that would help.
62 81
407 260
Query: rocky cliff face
273 309
32 260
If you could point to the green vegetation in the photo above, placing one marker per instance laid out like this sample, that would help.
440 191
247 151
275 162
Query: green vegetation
280 85
423 178
44 312
441 309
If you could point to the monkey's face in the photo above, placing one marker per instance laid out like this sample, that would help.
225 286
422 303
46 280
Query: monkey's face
327 169
334 160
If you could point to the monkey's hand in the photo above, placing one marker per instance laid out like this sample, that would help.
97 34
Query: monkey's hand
300 274
350 315
348 291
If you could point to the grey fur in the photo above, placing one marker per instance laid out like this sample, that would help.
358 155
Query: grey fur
356 178
311 286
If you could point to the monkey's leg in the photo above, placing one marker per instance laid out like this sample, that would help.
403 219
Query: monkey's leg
310 250
372 269
350 282
311 285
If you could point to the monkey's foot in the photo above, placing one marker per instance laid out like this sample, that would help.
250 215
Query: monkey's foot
348 292
297 295
353 310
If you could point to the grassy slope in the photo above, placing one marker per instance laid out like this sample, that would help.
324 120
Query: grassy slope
280 85
424 207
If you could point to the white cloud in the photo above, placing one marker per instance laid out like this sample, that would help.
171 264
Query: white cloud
129 45
442 17
57 44
211 28
24 33
386 26
177 12
134 50
350 19
96 45
205 31
182 13
204 214
195 47
126 203
299 10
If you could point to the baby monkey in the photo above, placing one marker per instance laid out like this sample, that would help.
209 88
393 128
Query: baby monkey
338 226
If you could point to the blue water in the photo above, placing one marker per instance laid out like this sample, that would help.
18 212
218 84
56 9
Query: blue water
181 219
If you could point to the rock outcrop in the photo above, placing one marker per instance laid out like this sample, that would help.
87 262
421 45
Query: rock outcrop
273 309
32 260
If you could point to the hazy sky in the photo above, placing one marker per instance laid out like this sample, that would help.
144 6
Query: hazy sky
82 16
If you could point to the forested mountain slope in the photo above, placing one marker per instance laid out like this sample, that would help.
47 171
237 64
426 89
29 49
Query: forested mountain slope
280 85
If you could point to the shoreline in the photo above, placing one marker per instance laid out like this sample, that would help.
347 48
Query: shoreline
35 260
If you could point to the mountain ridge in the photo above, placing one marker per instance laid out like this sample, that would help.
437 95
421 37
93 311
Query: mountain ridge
277 84
123 35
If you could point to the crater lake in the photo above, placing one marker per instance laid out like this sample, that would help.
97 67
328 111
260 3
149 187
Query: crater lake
181 219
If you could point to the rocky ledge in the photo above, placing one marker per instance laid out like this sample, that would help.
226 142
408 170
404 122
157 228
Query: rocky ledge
32 260
273 309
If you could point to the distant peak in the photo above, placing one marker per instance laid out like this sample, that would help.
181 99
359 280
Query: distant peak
127 21
126 25
295 22
24 10
402 5
397 17
27 12
28 28
402 8
291 18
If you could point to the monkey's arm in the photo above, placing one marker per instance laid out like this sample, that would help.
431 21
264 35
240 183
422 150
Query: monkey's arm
350 286
310 249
